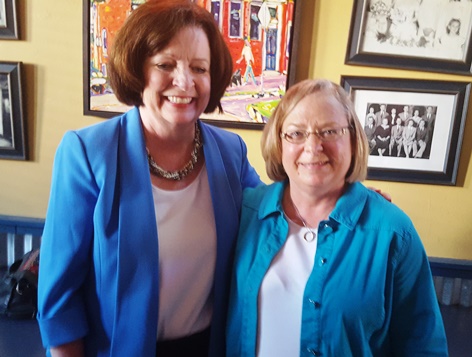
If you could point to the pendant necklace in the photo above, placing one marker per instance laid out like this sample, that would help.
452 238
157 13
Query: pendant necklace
311 234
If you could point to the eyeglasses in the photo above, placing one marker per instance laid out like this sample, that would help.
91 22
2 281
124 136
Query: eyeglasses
300 136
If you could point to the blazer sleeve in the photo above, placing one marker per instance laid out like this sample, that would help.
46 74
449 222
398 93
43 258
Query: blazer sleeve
66 245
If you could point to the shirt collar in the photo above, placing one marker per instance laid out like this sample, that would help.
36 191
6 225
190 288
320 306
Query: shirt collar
272 200
350 205
347 211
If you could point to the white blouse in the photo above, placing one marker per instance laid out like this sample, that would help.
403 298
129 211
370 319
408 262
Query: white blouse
281 295
187 256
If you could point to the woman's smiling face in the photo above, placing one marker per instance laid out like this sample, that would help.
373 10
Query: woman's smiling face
177 78
315 163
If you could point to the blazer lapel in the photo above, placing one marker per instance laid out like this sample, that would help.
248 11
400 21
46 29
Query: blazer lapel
137 282
227 222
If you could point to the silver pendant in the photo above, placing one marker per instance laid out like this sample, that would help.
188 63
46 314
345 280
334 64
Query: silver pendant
309 236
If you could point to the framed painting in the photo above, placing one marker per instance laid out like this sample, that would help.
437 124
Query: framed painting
12 125
414 127
262 30
8 20
433 35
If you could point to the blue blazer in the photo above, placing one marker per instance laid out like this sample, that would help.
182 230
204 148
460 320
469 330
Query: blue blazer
99 277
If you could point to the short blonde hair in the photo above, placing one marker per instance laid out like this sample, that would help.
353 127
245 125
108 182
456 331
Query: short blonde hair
271 142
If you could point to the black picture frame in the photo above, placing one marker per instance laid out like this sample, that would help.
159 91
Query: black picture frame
97 83
380 36
12 123
439 159
8 20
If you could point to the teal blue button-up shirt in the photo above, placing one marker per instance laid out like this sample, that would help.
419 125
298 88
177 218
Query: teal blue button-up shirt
370 292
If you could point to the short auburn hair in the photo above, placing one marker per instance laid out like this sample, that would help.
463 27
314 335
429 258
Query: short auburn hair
271 141
148 30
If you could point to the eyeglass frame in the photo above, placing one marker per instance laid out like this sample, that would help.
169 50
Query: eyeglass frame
319 134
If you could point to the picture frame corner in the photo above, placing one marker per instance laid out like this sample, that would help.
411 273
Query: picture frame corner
13 133
9 27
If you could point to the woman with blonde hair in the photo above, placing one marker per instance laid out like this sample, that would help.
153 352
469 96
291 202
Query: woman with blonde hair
325 266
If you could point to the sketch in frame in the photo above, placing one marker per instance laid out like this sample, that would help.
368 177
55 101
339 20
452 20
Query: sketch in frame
8 20
259 35
420 34
414 128
12 128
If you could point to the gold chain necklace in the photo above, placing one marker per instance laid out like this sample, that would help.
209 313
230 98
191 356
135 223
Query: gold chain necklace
311 234
188 168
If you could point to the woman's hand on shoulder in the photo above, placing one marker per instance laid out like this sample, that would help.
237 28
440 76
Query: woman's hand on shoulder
383 194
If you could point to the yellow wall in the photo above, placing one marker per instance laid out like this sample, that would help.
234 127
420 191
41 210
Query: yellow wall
51 51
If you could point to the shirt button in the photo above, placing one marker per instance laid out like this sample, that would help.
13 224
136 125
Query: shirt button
316 304
323 261
313 352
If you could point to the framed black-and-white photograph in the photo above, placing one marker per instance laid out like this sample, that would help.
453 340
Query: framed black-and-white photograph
12 124
433 35
262 37
8 20
414 127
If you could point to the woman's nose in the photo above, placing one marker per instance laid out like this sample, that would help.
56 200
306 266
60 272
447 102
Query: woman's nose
313 143
183 79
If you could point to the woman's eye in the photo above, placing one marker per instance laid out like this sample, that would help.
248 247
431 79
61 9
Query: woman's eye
200 70
329 132
296 134
164 66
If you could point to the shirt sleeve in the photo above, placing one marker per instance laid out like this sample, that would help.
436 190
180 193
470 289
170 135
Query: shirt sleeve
416 327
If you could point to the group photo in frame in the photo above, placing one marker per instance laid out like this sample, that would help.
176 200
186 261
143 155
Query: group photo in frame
260 35
414 127
433 35
8 20
12 125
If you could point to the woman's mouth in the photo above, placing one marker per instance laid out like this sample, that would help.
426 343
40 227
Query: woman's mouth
179 100
314 164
